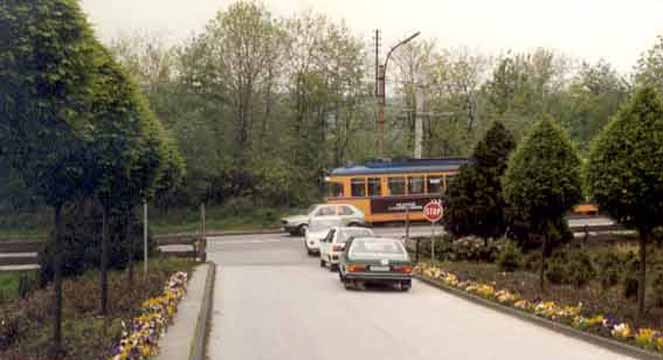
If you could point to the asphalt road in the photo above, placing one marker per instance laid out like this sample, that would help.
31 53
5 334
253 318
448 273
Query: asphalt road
272 302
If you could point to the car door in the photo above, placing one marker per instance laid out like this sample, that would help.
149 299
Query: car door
325 244
345 212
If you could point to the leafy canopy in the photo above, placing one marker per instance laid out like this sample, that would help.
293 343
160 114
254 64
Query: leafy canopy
625 170
542 181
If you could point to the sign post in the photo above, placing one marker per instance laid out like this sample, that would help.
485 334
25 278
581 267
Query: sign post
433 212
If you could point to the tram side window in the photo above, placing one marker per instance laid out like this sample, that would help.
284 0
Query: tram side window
396 185
374 187
358 187
415 185
335 189
434 184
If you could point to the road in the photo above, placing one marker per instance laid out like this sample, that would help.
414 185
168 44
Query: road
272 302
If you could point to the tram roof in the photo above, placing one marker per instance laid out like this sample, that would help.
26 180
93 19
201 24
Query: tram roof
402 166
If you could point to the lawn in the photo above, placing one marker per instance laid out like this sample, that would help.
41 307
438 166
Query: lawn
36 224
9 283
27 323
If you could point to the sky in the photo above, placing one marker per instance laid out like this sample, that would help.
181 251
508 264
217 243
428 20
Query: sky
615 30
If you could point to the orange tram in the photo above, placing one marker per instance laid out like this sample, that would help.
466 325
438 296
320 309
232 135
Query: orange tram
384 189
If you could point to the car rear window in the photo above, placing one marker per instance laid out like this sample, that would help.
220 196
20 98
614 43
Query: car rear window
345 235
371 249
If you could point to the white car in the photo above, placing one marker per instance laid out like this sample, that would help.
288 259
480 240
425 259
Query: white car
317 230
298 224
332 246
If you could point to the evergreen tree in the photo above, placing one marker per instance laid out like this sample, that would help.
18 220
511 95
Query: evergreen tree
475 205
625 170
542 182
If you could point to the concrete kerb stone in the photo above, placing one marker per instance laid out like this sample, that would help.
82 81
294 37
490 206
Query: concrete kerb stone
198 343
185 339
564 329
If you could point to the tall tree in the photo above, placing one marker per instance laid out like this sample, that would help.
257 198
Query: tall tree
625 170
475 204
47 67
649 70
542 181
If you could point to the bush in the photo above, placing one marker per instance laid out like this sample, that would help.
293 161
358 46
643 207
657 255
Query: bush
472 248
610 269
630 281
657 289
556 271
81 241
509 257
580 269
532 261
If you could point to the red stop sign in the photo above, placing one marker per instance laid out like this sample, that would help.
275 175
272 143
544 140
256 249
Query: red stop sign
433 211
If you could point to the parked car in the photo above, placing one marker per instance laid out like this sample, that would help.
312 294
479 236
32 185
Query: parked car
318 230
332 246
297 224
375 260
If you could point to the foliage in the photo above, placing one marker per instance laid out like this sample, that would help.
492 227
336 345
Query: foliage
88 336
657 289
510 257
649 69
82 236
610 268
625 170
472 248
474 199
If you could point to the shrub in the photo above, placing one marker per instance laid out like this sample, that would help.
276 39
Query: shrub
610 268
509 257
580 269
532 261
630 281
81 241
657 289
556 271
472 248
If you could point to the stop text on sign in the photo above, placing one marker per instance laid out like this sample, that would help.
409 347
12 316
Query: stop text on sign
433 211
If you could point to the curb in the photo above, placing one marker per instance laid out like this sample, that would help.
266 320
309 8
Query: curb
564 329
197 350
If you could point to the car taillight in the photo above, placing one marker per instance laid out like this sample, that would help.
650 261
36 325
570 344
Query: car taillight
338 247
405 269
356 268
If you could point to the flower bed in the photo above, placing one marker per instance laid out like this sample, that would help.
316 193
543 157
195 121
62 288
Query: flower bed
572 315
140 338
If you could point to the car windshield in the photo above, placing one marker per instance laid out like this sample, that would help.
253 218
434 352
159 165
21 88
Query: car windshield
346 234
377 248
322 224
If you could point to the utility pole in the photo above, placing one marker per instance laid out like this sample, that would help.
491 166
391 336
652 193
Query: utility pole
380 85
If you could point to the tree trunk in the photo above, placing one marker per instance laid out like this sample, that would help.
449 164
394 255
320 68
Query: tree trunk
543 264
642 283
132 249
103 281
57 280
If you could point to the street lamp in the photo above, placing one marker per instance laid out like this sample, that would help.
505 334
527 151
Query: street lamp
381 91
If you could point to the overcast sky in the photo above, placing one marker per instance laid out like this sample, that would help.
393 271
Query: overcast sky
616 30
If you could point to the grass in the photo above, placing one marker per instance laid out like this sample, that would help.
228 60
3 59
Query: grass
217 219
36 225
9 283
26 327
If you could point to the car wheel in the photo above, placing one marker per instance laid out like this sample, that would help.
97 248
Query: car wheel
406 285
332 267
340 275
322 263
353 224
301 230
347 284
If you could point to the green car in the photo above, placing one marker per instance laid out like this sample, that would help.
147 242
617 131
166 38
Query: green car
375 260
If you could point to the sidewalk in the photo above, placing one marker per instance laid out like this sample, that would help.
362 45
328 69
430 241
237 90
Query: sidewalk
177 343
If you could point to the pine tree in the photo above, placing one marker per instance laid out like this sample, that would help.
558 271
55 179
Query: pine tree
475 205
